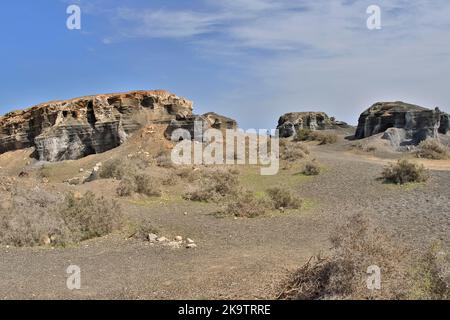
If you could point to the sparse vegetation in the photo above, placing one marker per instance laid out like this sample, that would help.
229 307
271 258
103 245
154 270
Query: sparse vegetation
342 275
141 184
293 151
433 149
404 172
214 185
310 135
37 218
283 199
246 205
311 168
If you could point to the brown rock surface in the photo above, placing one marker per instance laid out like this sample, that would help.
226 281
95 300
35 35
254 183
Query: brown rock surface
72 129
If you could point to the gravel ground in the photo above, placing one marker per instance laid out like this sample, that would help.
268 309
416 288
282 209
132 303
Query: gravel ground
244 258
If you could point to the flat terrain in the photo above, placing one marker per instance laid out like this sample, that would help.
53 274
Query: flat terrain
235 258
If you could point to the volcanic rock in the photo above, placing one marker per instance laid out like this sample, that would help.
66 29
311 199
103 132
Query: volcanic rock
402 123
290 123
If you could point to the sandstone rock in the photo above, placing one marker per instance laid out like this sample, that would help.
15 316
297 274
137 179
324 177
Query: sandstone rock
403 123
72 129
290 123
162 239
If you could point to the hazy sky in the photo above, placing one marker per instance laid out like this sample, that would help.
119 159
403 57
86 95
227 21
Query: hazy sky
252 60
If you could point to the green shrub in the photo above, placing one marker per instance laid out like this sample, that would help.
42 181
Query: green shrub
310 135
404 172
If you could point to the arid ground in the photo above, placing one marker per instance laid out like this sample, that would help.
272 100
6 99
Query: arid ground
235 257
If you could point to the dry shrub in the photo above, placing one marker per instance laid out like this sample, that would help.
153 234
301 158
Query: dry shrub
121 168
433 275
246 205
310 135
404 172
170 179
364 148
311 168
127 187
357 245
148 185
142 184
283 199
89 216
164 159
214 185
36 217
294 151
433 149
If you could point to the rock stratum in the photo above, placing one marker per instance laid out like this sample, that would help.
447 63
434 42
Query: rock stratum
290 123
402 123
72 129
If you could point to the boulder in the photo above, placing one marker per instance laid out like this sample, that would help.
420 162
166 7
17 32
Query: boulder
290 123
72 129
402 123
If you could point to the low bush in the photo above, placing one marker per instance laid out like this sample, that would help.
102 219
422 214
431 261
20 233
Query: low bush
35 217
283 199
214 185
246 205
433 149
294 151
311 168
357 245
141 184
310 135
404 172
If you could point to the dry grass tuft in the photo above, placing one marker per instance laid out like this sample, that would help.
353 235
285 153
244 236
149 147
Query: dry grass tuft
311 168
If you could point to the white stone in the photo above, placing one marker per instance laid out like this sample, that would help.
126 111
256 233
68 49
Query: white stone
191 246
178 238
152 237
189 241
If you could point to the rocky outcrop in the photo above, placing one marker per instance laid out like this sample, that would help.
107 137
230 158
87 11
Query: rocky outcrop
71 129
290 123
402 123
205 122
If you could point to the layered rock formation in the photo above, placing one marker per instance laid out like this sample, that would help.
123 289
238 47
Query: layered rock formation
72 129
290 123
402 123
206 121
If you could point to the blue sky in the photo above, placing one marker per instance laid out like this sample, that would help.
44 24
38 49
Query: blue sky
249 59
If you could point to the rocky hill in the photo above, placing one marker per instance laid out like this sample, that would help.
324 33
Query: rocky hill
72 129
402 123
290 123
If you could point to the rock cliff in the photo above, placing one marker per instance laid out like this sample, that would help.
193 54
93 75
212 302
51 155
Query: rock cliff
402 123
72 129
290 123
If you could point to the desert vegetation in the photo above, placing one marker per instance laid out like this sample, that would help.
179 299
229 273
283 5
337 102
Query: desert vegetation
433 149
311 168
404 172
357 245
311 135
35 218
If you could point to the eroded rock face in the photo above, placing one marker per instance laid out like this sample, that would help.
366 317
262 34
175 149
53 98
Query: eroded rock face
403 123
204 122
290 123
72 129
